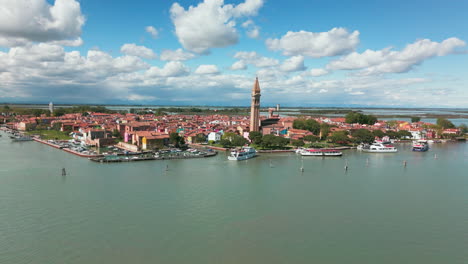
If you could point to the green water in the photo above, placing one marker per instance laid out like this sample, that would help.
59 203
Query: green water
263 210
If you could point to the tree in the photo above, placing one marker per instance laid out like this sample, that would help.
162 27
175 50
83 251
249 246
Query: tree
415 119
404 134
444 123
200 138
340 137
297 143
307 124
363 136
463 128
228 135
176 140
324 130
311 138
355 117
238 140
392 134
255 137
268 141
280 141
225 143
378 133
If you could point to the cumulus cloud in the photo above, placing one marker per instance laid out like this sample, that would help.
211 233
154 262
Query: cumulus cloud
139 51
152 31
390 61
337 41
207 69
316 72
295 63
210 24
170 69
176 55
25 21
253 31
238 65
255 59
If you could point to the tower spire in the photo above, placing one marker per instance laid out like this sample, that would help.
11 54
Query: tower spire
255 107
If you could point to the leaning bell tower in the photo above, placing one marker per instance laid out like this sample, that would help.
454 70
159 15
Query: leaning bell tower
255 107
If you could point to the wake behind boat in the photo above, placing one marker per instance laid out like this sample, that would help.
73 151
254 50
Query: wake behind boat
242 154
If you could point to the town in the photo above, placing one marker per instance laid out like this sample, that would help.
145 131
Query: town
146 131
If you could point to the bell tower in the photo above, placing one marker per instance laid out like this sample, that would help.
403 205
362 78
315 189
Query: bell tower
255 107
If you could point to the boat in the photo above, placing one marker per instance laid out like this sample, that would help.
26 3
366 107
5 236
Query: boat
420 145
377 148
242 154
321 152
23 138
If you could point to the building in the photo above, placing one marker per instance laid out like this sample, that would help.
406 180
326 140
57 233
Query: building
51 108
255 107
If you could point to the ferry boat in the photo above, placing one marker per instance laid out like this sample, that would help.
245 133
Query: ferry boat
420 145
377 148
242 154
321 152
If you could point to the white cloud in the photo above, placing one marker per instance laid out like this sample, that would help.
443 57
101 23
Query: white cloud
207 69
337 41
170 69
255 59
176 55
295 63
253 31
152 31
25 21
323 91
389 61
210 24
238 65
139 51
316 72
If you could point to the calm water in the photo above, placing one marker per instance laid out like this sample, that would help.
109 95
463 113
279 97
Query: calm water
213 211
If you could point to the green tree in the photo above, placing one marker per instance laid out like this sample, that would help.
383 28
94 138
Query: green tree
362 136
378 133
255 137
463 128
404 134
307 124
268 141
200 138
176 139
297 143
444 123
415 119
392 134
238 140
311 138
355 117
324 130
226 143
340 137
229 135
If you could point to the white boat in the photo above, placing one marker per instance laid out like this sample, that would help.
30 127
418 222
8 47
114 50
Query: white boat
242 154
420 145
321 152
378 148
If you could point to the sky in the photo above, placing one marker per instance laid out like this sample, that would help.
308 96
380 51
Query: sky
208 52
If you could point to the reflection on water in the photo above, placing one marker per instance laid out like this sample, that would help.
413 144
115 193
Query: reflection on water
263 210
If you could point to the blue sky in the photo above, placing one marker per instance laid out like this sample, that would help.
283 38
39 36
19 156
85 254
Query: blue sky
305 53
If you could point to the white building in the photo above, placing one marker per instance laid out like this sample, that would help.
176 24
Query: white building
214 136
51 107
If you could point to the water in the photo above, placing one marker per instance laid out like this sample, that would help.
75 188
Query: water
262 210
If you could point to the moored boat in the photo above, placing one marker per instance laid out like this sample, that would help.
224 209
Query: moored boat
377 148
321 152
242 154
22 138
420 145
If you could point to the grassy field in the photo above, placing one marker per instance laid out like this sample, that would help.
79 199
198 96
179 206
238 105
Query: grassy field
50 134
